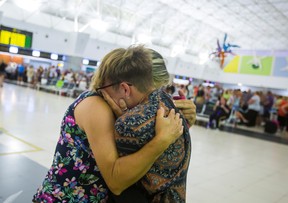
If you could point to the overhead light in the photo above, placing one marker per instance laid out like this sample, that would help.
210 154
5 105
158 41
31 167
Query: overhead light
239 84
99 25
85 61
54 56
36 53
180 81
177 50
13 50
28 5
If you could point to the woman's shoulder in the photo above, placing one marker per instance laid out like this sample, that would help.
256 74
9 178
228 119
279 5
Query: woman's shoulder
83 97
92 110
90 101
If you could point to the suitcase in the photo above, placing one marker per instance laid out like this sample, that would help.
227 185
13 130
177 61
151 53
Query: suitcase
271 127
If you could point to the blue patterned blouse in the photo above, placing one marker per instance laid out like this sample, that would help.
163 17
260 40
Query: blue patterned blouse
166 180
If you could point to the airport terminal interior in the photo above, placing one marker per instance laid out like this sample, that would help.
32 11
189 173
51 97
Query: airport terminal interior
229 57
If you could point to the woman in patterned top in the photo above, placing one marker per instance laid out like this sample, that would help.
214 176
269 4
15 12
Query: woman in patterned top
86 165
166 180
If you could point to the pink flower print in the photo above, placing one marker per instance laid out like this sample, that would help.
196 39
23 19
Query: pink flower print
70 120
65 138
60 170
57 193
61 140
47 198
50 174
98 190
94 190
79 191
85 197
80 166
71 182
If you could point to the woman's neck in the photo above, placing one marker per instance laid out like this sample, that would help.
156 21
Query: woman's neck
145 96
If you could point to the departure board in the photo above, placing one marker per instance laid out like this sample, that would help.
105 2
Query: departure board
13 36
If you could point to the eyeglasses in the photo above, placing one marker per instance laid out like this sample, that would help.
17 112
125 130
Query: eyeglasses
112 84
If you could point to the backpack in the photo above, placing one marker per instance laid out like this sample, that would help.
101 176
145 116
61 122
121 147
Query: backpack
271 127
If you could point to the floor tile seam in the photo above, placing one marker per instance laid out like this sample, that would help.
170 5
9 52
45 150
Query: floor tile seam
20 152
21 140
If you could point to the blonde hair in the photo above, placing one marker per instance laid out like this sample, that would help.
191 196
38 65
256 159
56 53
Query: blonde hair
137 65
131 65
160 74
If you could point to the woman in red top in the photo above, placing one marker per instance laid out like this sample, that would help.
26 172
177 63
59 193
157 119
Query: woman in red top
282 113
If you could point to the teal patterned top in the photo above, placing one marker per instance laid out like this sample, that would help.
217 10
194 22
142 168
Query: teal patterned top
166 180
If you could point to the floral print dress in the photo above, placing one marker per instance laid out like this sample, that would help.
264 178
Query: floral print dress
74 175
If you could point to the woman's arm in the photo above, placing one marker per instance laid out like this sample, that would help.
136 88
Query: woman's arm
251 100
226 109
187 107
216 104
95 117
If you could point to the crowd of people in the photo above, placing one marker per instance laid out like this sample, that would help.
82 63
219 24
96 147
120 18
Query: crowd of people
249 108
35 76
246 107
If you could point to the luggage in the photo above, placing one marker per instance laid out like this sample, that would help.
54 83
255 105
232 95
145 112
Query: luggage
271 127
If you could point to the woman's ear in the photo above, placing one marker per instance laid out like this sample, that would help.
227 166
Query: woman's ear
126 88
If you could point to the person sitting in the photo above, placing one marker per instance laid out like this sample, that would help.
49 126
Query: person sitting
221 112
249 117
282 115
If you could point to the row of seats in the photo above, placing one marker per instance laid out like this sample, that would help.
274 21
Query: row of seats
58 87
205 110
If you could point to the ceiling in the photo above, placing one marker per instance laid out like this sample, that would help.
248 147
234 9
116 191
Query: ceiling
193 24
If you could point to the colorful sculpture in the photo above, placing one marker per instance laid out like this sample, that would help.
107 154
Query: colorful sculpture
221 52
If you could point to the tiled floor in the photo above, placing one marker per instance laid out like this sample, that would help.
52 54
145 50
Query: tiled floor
225 167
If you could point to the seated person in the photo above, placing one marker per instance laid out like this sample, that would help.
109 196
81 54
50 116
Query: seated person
221 112
282 114
249 117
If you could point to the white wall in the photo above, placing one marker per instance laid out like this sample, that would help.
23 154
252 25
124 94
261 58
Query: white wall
89 46
212 72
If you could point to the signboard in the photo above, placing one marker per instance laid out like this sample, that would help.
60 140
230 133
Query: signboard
16 37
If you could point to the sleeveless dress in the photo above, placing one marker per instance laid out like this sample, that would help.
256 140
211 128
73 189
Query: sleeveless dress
74 175
166 180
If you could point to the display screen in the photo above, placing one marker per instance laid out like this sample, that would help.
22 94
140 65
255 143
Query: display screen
16 37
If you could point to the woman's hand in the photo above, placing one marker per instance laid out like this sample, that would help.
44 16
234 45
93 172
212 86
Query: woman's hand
188 109
117 110
169 128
